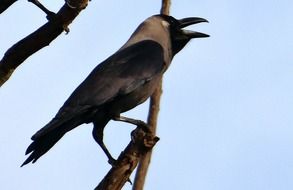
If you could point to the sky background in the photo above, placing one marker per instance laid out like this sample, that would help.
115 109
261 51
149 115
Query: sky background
226 112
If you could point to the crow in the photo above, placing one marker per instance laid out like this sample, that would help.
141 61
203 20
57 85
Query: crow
118 84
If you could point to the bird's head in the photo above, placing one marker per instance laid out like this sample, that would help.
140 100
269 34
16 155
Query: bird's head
169 32
180 36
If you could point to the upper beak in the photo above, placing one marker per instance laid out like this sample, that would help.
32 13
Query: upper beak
189 21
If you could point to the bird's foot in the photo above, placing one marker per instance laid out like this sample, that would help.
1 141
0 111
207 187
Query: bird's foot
113 162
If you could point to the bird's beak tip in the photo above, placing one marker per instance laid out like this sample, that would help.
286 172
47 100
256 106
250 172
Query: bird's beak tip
190 21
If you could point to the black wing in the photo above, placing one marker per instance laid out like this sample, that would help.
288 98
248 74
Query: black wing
121 73
129 66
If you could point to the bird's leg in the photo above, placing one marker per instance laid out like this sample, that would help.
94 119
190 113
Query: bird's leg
98 136
111 160
50 14
144 126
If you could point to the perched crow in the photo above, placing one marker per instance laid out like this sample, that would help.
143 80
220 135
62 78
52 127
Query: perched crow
120 83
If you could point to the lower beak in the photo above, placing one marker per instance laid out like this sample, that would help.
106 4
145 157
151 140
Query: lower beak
194 34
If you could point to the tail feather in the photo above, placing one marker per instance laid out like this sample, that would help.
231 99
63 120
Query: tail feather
48 136
41 145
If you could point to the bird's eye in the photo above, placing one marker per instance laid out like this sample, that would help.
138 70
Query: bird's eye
173 22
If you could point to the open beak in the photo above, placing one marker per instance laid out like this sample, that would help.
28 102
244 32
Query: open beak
190 21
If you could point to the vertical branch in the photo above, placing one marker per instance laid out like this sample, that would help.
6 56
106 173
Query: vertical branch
154 109
166 4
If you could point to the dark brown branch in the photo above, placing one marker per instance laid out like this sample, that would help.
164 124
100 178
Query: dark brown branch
152 121
42 37
5 4
145 160
165 9
119 174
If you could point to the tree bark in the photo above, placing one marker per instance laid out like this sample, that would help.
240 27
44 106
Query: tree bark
166 4
42 37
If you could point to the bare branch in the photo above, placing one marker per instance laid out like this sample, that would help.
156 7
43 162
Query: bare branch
119 174
42 37
166 4
5 4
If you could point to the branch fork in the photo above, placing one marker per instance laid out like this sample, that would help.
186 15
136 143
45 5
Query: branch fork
141 142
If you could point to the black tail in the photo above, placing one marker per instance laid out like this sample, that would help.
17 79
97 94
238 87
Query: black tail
41 145
48 136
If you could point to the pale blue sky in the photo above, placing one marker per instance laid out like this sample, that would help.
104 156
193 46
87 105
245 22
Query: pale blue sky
226 114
